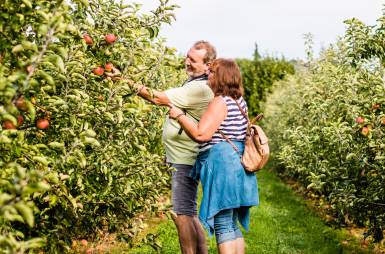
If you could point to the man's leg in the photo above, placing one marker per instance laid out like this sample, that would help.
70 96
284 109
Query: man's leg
201 237
184 192
187 234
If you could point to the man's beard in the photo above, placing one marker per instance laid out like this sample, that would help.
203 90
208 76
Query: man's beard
192 72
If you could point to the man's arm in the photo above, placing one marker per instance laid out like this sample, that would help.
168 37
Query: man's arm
155 97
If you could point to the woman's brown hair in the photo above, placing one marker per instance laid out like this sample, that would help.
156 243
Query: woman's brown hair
226 79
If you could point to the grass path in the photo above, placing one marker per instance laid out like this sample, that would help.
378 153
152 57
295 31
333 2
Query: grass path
281 224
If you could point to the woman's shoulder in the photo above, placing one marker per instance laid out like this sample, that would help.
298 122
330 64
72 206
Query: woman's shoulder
221 100
230 100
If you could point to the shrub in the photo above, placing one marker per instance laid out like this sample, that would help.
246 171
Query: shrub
327 125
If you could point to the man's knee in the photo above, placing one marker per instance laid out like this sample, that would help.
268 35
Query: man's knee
181 219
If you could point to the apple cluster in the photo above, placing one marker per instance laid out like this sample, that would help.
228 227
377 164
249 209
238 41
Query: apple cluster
22 104
109 39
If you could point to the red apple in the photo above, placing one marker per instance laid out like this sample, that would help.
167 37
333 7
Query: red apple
20 104
84 242
88 39
101 98
365 131
8 125
42 124
360 120
375 106
109 66
30 69
98 71
20 120
110 38
383 121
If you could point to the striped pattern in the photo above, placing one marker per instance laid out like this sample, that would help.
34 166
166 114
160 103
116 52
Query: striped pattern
234 126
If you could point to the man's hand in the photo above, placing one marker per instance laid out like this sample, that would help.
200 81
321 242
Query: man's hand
115 74
155 97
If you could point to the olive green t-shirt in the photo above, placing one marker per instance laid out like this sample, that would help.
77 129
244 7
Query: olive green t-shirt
193 98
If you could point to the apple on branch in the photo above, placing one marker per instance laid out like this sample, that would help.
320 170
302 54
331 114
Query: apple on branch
110 38
88 39
42 124
98 71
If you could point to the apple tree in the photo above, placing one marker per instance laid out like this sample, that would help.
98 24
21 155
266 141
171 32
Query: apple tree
80 151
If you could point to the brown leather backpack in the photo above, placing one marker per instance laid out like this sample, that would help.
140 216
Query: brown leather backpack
256 152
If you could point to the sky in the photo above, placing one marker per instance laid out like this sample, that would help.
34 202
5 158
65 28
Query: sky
277 26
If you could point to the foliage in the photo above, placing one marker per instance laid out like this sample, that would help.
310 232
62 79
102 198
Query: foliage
98 164
258 76
328 126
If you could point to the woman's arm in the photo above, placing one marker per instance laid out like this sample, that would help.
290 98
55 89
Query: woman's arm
209 123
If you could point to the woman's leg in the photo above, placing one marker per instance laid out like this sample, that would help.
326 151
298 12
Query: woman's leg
239 242
227 232
240 245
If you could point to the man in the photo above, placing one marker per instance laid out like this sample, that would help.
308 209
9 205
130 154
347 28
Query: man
181 151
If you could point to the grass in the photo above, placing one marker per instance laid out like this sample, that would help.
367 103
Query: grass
282 224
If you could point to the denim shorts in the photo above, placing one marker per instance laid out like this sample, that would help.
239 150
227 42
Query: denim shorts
184 190
226 226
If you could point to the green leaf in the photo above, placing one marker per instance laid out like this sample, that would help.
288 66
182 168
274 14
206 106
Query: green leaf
41 159
10 117
17 49
27 3
31 110
26 212
56 145
60 64
4 139
29 45
4 198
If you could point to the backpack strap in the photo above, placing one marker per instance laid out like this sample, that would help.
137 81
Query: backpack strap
231 143
247 130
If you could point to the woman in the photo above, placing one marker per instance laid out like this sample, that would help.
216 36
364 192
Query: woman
228 190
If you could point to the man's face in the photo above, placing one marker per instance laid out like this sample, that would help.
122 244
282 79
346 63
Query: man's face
194 63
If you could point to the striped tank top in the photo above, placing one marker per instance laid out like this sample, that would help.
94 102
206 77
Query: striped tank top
234 126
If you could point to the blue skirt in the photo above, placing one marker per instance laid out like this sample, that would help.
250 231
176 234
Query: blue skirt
225 184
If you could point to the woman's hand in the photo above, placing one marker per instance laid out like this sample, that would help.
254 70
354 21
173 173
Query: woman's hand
174 112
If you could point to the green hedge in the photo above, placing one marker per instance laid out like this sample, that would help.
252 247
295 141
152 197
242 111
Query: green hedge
327 127
258 76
